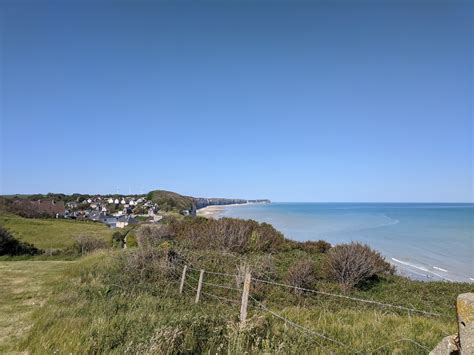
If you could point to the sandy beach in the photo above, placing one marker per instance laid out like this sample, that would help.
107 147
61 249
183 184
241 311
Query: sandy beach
215 211
210 211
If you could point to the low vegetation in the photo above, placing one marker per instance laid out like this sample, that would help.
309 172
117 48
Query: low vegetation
115 300
52 233
25 287
227 234
11 246
85 244
352 264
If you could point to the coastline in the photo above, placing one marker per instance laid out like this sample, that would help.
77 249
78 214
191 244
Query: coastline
416 260
215 211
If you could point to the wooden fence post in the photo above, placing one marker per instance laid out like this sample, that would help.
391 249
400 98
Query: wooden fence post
183 277
245 296
198 293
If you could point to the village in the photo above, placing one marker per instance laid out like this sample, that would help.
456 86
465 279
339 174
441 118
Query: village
114 211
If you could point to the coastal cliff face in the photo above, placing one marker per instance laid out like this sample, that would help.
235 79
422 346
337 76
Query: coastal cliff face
171 200
204 202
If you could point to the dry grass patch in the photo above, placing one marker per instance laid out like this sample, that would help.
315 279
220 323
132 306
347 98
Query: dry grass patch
24 288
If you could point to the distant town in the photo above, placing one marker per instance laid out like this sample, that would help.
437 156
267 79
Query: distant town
116 211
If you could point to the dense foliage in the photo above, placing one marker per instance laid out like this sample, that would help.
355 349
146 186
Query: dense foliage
355 263
228 234
170 201
11 246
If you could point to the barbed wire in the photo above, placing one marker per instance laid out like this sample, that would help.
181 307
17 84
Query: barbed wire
213 272
348 297
399 340
216 285
299 326
220 297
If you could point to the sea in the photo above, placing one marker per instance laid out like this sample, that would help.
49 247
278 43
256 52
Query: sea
425 241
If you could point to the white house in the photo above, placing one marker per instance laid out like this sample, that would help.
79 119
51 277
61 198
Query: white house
110 200
125 221
116 201
89 200
123 202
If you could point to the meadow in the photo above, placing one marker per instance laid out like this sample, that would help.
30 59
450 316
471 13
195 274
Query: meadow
52 233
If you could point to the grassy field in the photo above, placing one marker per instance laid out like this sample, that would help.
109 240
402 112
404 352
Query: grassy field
25 286
101 306
52 233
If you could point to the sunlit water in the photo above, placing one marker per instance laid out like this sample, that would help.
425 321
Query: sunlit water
424 241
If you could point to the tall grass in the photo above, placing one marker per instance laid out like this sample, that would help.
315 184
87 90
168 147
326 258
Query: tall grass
111 302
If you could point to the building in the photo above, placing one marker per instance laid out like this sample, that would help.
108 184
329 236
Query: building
124 221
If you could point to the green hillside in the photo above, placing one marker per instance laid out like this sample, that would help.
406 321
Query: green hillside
52 233
169 201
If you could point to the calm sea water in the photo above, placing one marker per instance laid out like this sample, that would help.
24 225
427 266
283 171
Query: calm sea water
424 241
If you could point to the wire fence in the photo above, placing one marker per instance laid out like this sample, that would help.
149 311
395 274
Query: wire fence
319 337
356 299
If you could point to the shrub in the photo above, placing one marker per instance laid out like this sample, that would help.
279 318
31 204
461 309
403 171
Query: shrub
151 235
12 246
85 244
227 234
314 246
148 265
117 239
352 264
131 241
302 274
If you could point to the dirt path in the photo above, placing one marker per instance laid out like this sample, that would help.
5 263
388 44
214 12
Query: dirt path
23 288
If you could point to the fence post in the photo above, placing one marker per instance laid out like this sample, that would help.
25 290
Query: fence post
183 277
198 293
465 315
245 296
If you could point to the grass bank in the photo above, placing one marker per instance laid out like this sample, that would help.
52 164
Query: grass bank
52 233
124 301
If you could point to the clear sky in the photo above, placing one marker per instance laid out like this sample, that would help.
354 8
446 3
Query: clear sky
287 100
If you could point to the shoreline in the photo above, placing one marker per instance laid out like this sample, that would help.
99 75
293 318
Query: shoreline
406 265
214 211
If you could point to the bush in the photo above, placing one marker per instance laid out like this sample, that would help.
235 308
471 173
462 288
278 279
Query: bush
148 265
151 235
302 274
311 246
117 239
352 264
12 246
85 244
131 241
227 234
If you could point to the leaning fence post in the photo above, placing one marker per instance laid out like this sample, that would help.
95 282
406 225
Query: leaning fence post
183 277
245 296
198 293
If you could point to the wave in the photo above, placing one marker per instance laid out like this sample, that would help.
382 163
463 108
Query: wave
422 269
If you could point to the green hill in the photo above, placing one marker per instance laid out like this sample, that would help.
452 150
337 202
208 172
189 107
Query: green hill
52 233
169 201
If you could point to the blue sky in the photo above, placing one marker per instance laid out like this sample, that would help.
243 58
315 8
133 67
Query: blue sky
287 100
